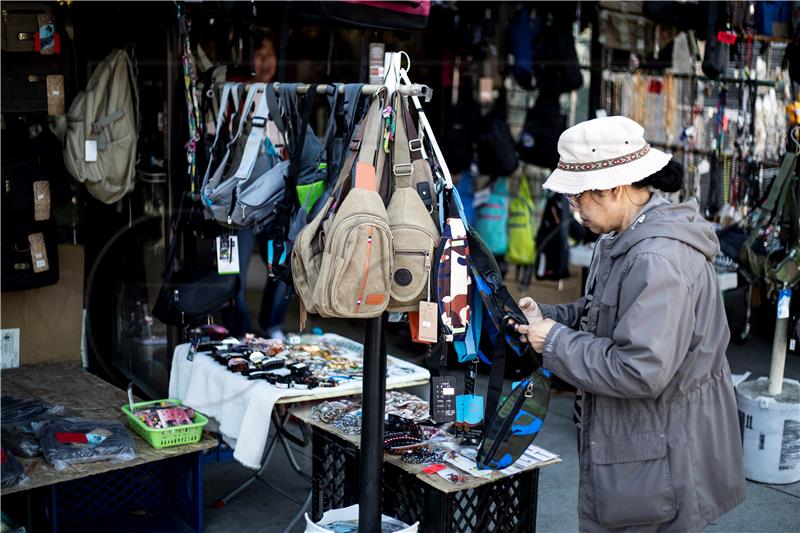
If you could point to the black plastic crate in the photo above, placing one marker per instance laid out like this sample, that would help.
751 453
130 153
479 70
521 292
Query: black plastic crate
163 495
507 505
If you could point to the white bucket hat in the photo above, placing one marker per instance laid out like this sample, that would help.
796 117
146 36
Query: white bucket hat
602 154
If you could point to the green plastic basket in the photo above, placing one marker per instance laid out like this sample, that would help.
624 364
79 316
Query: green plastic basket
164 438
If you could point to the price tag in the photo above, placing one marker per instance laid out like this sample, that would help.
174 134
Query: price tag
227 254
428 321
90 150
784 297
38 252
41 200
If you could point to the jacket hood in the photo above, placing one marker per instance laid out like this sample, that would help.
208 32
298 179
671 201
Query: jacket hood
681 222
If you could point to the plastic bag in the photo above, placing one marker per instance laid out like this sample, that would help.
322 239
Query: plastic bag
21 443
11 470
70 441
14 410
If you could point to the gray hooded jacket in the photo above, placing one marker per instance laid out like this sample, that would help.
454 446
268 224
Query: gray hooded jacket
660 441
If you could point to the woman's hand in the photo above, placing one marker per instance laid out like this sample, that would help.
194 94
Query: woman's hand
536 332
530 309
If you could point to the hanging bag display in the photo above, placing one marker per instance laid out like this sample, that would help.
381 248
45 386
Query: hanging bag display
454 284
497 155
770 254
218 186
544 124
261 175
522 227
306 256
103 128
224 132
492 218
188 296
414 232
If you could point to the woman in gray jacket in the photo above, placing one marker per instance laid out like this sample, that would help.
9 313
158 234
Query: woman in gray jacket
660 447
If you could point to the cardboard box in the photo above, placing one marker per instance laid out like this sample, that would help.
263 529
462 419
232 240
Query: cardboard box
50 319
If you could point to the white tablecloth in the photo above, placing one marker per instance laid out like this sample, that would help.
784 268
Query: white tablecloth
242 407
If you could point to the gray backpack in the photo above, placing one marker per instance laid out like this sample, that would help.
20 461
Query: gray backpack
247 184
102 130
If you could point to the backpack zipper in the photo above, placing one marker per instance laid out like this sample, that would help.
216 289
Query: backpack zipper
366 272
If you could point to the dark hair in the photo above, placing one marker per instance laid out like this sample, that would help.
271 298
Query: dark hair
261 34
668 179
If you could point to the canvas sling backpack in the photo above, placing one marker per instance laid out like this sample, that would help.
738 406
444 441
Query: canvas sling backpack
102 130
341 261
355 273
415 234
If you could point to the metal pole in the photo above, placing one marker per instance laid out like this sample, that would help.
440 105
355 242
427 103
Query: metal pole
372 412
776 367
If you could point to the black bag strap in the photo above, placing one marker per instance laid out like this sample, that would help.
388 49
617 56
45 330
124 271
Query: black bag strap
173 244
496 377
274 106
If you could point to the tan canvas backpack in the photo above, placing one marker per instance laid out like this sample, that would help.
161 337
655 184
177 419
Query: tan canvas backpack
102 130
342 260
415 233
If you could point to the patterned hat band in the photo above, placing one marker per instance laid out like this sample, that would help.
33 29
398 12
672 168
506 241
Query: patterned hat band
606 163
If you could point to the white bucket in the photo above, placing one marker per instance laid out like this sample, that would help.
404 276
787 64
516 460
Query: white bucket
347 513
770 431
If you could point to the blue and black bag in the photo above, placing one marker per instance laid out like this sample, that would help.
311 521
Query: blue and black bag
513 426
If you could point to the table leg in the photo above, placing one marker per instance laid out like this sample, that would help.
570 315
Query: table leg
283 436
246 483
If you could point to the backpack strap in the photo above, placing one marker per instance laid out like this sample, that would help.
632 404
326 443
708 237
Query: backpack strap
368 149
256 137
274 106
402 169
414 141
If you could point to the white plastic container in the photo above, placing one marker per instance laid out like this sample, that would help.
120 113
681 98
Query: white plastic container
346 513
771 431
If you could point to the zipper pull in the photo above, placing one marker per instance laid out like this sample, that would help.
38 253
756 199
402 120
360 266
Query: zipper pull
529 390
230 222
176 295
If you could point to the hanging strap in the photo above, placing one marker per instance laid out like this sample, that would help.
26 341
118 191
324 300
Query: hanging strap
401 161
368 151
274 106
414 142
426 128
255 139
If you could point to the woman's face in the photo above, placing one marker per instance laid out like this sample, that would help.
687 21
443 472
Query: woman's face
600 211
265 62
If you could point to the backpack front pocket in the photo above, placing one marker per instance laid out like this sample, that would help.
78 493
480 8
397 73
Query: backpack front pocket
361 272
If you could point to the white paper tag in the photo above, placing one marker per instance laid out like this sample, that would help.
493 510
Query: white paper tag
792 344
90 150
228 254
784 297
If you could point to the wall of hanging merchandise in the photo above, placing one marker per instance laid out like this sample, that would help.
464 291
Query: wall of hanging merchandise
718 129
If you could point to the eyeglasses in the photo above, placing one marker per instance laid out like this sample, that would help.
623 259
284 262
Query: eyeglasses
573 199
